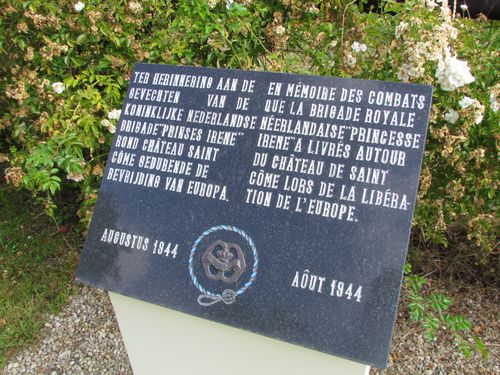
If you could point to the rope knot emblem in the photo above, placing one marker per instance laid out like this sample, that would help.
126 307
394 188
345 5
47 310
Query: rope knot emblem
228 296
223 261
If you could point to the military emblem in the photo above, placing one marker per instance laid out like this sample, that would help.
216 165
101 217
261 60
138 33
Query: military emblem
223 262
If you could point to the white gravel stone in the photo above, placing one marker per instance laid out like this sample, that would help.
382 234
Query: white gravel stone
84 339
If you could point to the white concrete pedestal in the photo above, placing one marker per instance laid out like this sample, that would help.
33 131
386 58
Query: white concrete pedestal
161 341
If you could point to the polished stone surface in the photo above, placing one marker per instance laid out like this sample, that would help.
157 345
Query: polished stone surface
330 284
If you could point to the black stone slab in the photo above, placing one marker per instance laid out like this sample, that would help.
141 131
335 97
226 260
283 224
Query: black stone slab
306 246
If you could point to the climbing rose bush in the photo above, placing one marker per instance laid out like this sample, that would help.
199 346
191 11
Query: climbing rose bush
65 67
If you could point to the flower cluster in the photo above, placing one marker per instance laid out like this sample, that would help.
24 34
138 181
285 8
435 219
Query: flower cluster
79 6
358 47
451 116
42 21
455 190
14 176
108 125
64 70
422 46
401 29
430 4
98 170
466 102
114 114
76 177
313 9
453 73
473 108
58 87
276 32
17 91
135 7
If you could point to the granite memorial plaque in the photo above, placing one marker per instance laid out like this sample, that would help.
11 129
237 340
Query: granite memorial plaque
276 203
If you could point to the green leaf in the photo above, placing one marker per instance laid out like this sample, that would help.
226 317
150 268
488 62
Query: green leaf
439 302
81 39
481 347
407 270
417 309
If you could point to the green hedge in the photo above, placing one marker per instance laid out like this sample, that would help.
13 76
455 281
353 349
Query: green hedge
65 65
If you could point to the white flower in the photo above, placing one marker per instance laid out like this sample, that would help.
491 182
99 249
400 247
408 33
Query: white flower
410 71
279 30
431 4
493 102
451 116
476 108
212 3
114 114
466 102
109 125
106 123
135 7
358 47
79 6
401 28
77 177
464 7
313 9
58 87
453 73
351 60
229 3
478 112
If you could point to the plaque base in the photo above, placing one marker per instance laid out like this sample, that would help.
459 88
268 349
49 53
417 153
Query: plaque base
160 340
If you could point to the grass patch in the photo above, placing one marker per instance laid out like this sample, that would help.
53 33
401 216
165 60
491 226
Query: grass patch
37 267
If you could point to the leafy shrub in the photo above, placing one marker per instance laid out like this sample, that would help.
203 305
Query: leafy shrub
65 67
431 311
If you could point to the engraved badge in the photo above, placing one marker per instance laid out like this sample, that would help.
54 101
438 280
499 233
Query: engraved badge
223 261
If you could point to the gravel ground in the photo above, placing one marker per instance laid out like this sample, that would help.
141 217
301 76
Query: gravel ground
412 354
84 339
